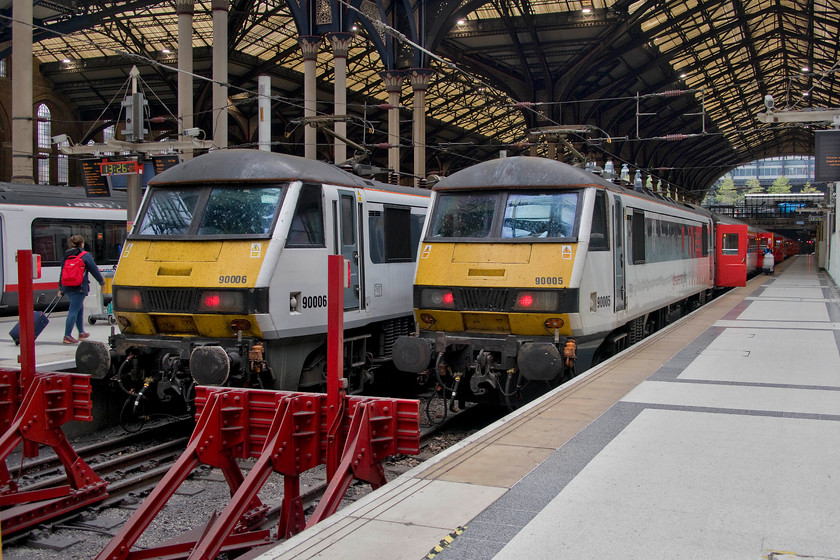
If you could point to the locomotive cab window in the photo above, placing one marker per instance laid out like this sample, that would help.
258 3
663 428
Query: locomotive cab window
168 212
240 211
464 215
203 211
524 216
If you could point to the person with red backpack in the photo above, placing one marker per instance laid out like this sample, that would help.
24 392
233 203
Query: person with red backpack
75 284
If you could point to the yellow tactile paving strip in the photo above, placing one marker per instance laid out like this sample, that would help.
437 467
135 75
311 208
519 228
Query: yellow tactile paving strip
510 452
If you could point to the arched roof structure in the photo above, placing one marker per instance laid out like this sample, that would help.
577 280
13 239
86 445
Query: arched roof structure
670 86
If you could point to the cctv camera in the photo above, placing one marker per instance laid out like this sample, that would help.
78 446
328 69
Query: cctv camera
768 102
61 138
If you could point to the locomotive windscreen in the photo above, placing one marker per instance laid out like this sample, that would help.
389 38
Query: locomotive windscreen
503 215
210 211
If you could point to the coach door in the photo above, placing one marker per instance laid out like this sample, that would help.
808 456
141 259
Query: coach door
618 254
348 243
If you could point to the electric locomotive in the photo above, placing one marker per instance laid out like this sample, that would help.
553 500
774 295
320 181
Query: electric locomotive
222 280
532 270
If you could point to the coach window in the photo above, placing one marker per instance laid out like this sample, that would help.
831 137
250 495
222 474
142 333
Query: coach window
50 238
307 229
598 241
114 240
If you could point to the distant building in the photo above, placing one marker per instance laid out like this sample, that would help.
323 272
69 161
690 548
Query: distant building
798 169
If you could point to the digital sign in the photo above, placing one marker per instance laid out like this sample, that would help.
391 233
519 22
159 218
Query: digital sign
95 184
827 155
107 168
162 163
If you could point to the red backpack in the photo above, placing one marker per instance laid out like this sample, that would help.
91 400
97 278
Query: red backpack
73 270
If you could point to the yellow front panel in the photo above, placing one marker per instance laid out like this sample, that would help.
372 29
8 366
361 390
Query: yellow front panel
495 265
220 264
521 265
189 264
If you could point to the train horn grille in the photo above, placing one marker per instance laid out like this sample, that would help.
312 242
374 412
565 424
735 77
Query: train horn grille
484 299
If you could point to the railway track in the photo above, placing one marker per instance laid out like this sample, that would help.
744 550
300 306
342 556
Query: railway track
133 464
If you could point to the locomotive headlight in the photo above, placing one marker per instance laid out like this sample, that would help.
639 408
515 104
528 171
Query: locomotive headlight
536 301
221 302
437 298
128 299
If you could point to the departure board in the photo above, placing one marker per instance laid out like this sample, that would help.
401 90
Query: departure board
95 184
162 163
827 155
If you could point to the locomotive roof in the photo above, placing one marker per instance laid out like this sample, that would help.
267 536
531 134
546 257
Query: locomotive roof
261 166
519 171
537 172
51 195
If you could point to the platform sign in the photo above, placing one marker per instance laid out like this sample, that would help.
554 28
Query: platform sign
94 182
827 155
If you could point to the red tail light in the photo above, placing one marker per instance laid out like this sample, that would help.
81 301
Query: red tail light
526 300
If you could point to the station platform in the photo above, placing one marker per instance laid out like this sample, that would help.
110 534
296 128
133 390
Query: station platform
51 354
718 437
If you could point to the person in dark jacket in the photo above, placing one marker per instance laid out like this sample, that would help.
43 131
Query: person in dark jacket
76 294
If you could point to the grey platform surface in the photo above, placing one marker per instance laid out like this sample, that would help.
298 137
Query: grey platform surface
730 449
50 353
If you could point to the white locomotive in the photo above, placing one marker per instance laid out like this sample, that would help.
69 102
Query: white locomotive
532 269
223 279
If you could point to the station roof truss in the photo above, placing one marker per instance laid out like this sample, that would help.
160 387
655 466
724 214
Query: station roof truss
671 87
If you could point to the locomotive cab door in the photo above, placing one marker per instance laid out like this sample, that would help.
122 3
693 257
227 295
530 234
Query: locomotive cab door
618 254
347 234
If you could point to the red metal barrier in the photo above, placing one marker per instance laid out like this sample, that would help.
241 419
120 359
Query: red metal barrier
287 433
51 400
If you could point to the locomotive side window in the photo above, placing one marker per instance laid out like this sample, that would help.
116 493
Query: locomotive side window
393 235
637 228
307 229
169 212
348 224
599 240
